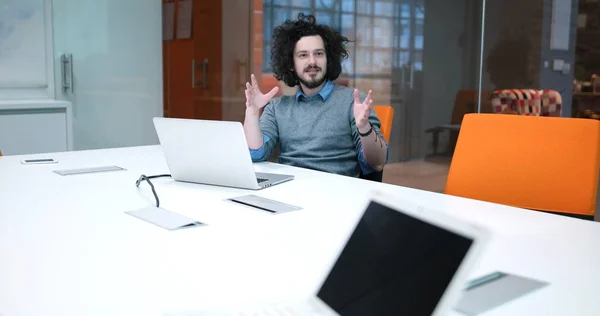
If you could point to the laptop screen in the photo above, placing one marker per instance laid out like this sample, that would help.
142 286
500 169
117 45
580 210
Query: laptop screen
393 264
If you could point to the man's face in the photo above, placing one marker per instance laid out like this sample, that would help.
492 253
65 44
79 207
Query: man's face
310 61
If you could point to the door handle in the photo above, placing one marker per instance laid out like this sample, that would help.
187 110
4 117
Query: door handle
204 72
409 83
66 61
193 73
412 76
204 66
242 75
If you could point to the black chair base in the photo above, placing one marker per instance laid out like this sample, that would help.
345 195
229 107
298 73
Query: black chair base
373 176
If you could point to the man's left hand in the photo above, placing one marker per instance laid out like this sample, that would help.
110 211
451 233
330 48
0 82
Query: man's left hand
362 110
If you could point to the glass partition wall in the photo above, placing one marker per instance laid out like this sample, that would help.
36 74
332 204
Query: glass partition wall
436 60
433 61
414 54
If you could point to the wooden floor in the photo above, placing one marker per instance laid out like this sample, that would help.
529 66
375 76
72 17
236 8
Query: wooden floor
425 174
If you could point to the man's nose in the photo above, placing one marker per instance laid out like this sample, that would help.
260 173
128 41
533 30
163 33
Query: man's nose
311 59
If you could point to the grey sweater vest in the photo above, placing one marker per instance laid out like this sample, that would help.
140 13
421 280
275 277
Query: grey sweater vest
315 134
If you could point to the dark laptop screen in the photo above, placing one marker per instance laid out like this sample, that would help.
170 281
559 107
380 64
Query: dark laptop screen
393 264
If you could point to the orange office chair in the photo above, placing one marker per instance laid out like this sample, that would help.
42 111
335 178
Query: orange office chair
466 101
385 113
268 82
542 163
0 153
386 116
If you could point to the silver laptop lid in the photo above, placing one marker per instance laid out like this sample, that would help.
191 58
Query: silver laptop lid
205 151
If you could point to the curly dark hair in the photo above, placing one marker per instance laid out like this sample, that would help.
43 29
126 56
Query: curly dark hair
285 37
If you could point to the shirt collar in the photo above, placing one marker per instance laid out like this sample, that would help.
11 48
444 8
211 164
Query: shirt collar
324 93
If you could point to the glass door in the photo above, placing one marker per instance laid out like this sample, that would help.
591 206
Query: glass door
207 58
436 60
108 64
407 77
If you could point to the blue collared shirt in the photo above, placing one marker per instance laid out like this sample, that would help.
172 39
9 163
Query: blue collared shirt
324 93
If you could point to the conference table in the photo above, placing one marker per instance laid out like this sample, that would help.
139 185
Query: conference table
67 247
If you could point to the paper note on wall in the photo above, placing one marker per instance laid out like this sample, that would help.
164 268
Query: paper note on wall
561 25
168 20
581 20
184 19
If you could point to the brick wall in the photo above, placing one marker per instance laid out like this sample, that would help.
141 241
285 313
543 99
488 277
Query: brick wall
257 37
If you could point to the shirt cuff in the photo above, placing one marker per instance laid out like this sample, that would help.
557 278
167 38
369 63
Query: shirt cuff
364 166
259 153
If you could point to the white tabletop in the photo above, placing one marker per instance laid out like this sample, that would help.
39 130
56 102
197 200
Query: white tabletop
68 248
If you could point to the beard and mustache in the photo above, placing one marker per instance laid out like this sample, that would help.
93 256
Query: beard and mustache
314 82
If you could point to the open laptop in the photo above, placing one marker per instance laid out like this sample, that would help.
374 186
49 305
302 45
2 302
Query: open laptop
211 152
398 260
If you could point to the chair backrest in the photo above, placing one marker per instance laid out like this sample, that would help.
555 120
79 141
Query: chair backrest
342 82
542 163
386 116
466 101
527 102
268 82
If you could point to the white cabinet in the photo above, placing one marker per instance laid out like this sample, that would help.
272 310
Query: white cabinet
35 126
110 79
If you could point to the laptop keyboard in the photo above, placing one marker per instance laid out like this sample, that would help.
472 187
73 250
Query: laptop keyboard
261 180
278 310
299 308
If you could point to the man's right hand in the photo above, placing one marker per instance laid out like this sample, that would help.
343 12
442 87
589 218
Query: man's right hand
256 100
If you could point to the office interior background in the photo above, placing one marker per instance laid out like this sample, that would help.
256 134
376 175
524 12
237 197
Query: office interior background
88 74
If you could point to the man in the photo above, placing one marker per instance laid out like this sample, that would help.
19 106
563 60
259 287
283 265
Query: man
325 126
